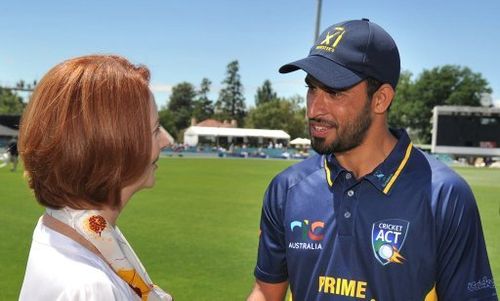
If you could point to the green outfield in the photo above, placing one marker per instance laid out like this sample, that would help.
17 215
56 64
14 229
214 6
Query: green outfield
196 231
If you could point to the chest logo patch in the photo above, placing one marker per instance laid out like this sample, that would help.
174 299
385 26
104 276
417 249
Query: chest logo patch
309 235
388 238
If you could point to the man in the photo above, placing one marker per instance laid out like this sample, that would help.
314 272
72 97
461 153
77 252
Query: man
371 217
13 153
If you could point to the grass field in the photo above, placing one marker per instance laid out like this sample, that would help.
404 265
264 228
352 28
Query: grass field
196 231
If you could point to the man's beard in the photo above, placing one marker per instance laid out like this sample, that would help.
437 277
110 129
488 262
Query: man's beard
351 135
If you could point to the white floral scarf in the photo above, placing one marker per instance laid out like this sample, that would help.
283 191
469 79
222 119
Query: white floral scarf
114 248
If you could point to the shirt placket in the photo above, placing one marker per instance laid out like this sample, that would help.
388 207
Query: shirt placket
346 209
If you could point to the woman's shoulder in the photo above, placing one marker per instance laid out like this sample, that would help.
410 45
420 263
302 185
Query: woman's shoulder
48 243
60 267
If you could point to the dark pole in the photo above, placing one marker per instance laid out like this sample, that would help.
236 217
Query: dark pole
318 20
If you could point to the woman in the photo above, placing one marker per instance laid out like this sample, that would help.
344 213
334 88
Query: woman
89 138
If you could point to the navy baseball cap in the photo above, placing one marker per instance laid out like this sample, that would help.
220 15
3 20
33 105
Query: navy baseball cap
349 52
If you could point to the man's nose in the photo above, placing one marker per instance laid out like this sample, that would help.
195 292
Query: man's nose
316 104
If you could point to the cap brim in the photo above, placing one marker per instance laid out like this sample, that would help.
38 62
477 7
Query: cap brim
326 71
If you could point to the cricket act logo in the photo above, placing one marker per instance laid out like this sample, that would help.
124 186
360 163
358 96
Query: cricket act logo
309 233
388 237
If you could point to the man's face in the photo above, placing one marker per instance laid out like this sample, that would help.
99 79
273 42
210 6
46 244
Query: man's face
338 120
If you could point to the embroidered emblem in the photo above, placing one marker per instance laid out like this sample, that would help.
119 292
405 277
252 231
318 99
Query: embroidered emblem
331 40
388 237
382 177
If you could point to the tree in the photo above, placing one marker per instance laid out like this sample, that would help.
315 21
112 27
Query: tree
21 84
10 102
203 107
445 85
402 110
280 114
180 106
265 94
231 102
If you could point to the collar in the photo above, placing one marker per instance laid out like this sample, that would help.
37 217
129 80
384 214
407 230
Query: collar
93 231
384 175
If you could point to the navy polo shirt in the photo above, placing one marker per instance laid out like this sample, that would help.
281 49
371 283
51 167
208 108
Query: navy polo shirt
409 230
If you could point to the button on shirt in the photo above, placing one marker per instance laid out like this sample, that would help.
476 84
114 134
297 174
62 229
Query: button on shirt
409 230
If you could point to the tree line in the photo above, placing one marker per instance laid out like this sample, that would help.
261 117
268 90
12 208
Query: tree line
10 101
270 111
411 108
447 85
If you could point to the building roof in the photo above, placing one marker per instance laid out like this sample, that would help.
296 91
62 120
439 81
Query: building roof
214 123
6 131
235 132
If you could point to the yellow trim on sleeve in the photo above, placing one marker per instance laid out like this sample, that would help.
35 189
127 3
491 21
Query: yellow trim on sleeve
328 174
431 295
400 168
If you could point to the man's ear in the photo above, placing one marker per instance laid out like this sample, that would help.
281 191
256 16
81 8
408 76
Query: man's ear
382 99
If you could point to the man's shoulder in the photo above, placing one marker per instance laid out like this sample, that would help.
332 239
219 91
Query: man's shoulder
447 186
299 171
443 175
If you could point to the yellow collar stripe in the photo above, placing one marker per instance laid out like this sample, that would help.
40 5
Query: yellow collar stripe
328 174
400 168
431 295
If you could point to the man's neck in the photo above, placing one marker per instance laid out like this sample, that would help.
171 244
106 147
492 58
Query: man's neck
364 158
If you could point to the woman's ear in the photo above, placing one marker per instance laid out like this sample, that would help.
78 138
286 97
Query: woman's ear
382 99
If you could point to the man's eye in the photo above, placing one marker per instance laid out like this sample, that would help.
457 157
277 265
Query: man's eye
334 93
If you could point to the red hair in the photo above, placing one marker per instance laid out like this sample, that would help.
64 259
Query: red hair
86 132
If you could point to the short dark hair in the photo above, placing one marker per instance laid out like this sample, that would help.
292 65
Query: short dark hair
372 85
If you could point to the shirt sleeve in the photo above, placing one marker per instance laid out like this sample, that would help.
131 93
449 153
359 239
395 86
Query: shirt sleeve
271 260
463 268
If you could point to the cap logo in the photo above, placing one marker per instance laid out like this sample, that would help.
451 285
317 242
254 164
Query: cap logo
331 40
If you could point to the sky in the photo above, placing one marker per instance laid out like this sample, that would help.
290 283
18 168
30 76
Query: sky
187 40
